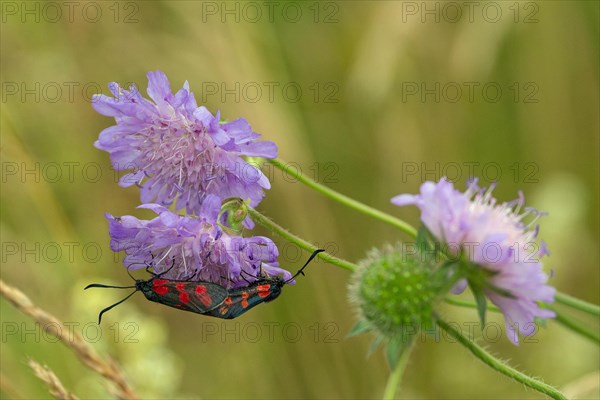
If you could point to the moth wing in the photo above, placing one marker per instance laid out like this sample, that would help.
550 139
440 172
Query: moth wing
199 297
241 300
232 307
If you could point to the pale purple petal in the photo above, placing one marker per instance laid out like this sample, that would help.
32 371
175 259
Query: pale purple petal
405 199
193 247
493 238
180 152
159 88
260 149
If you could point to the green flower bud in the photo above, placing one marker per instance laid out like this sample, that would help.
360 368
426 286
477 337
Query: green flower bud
236 211
395 292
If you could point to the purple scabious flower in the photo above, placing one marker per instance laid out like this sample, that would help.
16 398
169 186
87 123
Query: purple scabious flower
177 150
493 237
193 248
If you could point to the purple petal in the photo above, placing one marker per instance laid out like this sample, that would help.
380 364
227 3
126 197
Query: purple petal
260 149
405 199
159 88
157 208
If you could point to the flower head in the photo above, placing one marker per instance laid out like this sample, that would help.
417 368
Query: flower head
493 237
177 150
395 291
194 248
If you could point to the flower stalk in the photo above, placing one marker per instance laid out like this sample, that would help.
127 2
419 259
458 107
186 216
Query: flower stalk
561 318
498 365
577 304
395 377
403 226
576 327
303 244
343 199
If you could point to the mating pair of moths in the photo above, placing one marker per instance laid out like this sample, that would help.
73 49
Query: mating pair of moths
207 298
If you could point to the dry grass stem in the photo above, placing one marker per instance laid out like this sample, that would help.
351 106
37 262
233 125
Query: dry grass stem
108 368
55 386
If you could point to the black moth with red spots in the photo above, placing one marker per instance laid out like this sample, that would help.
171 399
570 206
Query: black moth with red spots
206 298
197 297
263 290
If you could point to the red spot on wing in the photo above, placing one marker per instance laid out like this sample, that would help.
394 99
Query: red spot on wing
206 300
158 285
228 301
201 289
180 286
202 293
263 290
184 297
162 290
244 300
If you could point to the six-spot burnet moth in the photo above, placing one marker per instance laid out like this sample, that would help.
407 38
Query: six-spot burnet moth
197 297
205 298
244 298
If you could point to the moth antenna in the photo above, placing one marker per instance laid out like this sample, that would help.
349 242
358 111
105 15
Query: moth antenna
242 272
260 271
136 263
301 270
113 306
99 285
129 273
148 265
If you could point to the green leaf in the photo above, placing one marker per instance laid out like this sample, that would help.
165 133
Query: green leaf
541 322
361 326
375 345
500 291
428 325
422 241
446 276
394 350
481 301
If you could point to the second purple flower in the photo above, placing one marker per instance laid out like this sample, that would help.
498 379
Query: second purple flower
193 248
494 238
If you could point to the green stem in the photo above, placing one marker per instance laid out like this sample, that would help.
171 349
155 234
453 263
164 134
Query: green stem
576 326
408 229
562 319
577 304
469 304
394 379
498 365
287 235
343 199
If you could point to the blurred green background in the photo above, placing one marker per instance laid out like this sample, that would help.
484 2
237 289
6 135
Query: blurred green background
370 98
